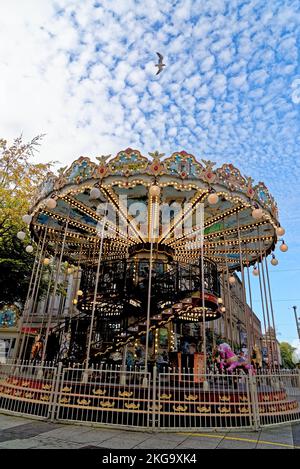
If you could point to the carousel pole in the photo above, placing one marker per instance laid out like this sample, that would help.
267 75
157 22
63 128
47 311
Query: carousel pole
154 193
53 295
230 306
21 337
95 294
225 305
262 305
46 301
205 382
203 305
249 344
266 303
31 300
271 305
39 274
250 299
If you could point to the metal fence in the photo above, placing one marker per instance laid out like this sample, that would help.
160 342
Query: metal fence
166 400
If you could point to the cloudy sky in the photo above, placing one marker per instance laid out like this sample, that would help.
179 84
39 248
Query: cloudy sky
83 72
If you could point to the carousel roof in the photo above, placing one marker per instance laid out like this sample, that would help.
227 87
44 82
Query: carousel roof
231 233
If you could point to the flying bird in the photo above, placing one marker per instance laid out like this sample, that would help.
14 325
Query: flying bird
160 64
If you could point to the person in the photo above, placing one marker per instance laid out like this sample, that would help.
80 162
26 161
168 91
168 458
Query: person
162 361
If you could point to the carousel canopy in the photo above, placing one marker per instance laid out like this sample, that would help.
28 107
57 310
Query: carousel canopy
112 200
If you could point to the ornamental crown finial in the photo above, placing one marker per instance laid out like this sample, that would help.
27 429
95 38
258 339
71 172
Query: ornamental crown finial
103 158
156 155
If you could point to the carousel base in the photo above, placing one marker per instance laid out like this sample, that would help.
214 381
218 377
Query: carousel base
169 402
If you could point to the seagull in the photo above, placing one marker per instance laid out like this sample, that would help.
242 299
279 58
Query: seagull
160 64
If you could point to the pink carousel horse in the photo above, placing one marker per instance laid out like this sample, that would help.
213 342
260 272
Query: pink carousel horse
230 361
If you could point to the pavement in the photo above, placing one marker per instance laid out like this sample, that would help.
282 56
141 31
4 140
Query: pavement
24 433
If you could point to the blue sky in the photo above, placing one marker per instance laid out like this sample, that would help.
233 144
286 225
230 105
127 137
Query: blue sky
83 73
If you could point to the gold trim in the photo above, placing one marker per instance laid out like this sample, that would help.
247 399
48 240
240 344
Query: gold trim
66 389
165 396
131 405
125 394
47 387
64 400
243 398
99 392
107 404
191 397
83 401
45 398
224 410
244 410
224 398
204 409
180 408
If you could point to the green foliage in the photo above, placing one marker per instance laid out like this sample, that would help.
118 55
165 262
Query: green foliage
15 270
286 351
19 177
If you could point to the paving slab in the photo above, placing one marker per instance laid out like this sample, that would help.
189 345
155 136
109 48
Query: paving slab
157 443
230 444
199 443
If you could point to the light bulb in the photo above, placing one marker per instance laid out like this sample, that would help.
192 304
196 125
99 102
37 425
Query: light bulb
283 247
29 249
27 219
51 204
21 235
257 213
154 191
280 231
213 199
274 261
95 193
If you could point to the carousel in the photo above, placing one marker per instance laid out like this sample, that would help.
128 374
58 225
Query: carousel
139 256
136 259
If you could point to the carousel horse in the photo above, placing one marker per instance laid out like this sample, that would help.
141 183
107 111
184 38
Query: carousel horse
256 358
37 348
230 361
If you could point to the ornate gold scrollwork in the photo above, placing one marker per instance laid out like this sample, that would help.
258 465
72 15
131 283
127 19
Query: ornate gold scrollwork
244 410
29 395
180 408
165 396
131 405
83 401
99 392
45 398
107 404
125 394
191 397
243 398
47 387
224 410
205 409
66 389
224 398
64 400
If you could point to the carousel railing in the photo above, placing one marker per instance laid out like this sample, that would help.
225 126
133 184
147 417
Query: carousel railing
160 399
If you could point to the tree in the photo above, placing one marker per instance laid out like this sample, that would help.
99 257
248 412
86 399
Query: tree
19 176
286 351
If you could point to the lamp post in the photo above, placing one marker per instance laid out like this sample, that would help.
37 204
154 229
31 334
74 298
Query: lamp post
297 321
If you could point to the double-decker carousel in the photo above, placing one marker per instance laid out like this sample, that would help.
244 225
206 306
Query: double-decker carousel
140 255
146 245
